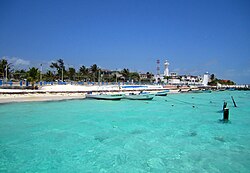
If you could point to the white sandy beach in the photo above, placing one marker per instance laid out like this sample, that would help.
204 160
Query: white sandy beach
8 98
63 92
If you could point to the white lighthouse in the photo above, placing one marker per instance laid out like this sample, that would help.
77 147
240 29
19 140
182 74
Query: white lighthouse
166 70
205 79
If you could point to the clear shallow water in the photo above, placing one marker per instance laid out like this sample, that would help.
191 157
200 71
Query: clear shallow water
163 135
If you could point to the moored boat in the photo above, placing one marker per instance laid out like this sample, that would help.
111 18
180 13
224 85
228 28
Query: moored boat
230 89
105 96
196 91
222 89
206 91
140 96
162 93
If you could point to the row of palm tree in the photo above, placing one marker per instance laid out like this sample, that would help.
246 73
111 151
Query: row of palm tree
58 72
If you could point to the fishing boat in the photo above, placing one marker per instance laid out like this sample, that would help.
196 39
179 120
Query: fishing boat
105 96
206 91
162 93
196 91
139 96
184 91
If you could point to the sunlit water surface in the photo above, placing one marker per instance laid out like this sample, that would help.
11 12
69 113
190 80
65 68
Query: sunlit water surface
176 133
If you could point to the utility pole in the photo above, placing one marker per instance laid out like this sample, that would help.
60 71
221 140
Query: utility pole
41 72
6 70
140 78
99 77
62 73
116 76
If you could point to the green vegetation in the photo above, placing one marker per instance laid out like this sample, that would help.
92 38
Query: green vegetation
214 81
58 72
33 75
3 64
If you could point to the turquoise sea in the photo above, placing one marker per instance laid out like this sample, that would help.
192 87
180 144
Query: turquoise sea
176 133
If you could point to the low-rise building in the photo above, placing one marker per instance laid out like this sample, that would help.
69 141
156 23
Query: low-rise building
143 76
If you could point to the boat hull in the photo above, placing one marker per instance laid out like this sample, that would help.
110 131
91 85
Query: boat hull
140 97
206 91
196 91
104 97
161 94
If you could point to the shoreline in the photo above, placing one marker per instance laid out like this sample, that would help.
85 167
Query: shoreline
17 98
35 97
68 92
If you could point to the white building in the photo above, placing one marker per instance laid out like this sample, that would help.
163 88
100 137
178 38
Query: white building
205 79
166 70
160 77
175 79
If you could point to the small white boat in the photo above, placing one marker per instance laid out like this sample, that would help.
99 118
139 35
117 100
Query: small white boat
206 91
139 96
196 91
162 93
105 96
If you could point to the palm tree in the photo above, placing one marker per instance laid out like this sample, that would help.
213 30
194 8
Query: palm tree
3 72
94 70
59 66
134 76
84 72
125 73
72 73
20 74
49 76
212 77
33 75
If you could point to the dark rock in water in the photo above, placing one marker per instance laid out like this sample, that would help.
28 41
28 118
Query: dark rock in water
53 151
101 138
192 134
219 138
137 131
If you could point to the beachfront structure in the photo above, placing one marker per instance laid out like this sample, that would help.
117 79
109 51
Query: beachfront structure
166 70
174 79
205 79
185 80
143 76
173 74
159 78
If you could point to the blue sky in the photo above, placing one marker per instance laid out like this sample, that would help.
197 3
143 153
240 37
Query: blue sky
194 35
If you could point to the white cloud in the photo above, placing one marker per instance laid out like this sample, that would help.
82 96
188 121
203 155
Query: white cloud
17 62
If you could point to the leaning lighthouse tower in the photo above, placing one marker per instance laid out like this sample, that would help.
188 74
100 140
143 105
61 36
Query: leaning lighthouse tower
166 70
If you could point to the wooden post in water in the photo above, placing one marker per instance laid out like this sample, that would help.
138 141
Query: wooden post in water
234 101
225 114
224 105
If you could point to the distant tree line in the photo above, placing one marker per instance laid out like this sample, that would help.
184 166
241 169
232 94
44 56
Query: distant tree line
58 72
214 81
